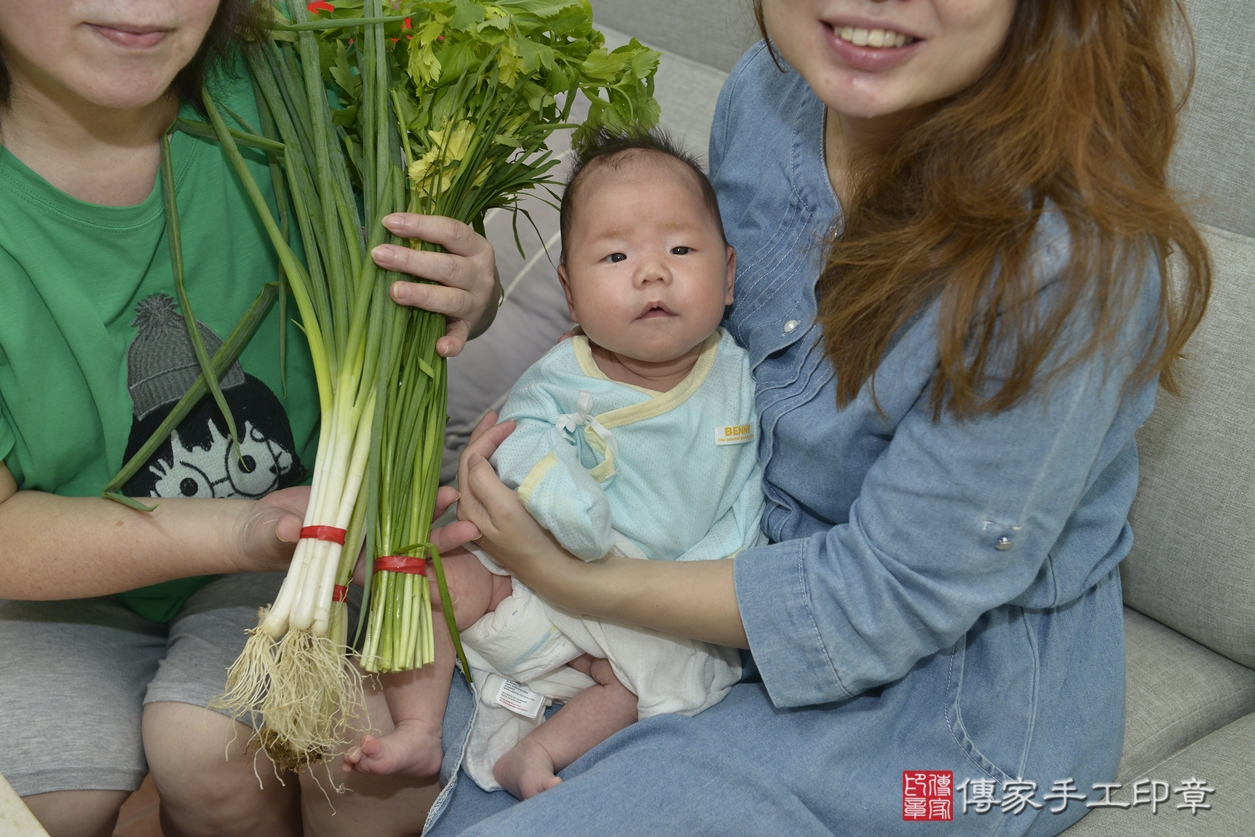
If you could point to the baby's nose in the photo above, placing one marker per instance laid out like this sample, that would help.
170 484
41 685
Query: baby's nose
653 270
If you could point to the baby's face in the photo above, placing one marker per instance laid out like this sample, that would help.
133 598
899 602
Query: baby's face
647 274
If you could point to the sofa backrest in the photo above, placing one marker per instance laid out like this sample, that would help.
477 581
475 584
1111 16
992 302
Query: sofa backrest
1193 561
712 32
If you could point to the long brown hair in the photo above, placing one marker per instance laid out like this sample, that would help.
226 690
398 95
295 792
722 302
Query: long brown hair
1076 115
236 22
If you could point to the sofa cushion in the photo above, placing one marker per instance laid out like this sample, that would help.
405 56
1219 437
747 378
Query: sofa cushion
686 91
711 32
1222 761
1193 561
1177 692
1213 159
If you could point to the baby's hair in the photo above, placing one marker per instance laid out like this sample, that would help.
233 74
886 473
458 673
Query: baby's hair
616 148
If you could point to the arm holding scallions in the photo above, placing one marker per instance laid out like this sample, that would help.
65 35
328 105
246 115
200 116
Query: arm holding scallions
76 547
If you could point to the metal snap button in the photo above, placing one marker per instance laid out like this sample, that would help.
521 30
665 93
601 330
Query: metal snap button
789 326
1004 543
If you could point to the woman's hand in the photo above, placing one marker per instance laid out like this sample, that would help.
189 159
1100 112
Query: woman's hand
696 599
270 528
469 288
504 528
454 535
448 539
513 537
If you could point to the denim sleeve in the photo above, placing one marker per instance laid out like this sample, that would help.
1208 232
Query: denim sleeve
718 131
720 127
956 517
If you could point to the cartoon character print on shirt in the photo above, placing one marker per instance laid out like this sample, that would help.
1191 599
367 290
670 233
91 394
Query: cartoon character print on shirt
197 460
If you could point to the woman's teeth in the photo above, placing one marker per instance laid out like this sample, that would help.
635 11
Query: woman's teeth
879 38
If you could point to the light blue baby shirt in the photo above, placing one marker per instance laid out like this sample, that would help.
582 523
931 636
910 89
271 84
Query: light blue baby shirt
676 473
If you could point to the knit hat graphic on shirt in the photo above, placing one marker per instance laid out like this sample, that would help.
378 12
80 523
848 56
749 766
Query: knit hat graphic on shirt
161 363
197 459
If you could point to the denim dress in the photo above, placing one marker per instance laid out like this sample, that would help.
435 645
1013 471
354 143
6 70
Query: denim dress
936 626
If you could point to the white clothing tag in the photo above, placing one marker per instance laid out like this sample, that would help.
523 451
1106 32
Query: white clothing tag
519 699
734 434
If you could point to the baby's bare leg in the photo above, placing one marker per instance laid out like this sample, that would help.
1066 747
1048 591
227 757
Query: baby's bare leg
416 699
588 719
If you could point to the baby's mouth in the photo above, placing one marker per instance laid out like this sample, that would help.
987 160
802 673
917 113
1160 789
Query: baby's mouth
655 309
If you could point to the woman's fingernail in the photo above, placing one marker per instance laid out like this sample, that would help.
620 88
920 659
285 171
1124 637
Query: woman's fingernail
382 254
391 220
474 460
401 291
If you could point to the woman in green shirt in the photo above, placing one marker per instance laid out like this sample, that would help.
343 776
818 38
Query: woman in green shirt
93 354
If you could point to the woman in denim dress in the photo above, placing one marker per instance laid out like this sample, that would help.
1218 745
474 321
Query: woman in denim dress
951 221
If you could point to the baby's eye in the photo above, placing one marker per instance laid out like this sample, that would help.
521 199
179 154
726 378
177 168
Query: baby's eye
615 257
681 251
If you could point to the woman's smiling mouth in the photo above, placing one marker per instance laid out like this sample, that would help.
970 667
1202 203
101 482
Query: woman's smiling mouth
876 38
864 46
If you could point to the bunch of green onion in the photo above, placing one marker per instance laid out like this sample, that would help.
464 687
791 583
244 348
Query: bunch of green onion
443 107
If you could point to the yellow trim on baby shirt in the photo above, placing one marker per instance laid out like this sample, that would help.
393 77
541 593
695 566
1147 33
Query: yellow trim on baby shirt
604 469
660 402
534 476
588 365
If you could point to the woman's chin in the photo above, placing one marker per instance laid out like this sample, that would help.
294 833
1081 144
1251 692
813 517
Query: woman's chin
128 91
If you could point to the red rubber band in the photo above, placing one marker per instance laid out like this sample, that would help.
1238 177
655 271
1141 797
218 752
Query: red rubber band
324 533
339 593
401 564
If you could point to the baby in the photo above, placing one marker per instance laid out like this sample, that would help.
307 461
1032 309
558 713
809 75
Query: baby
635 438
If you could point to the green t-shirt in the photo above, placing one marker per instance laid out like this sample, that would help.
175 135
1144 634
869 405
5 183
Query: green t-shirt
94 353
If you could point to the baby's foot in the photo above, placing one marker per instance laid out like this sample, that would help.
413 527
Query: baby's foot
526 770
412 748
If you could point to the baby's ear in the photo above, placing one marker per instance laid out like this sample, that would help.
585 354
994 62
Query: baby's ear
566 289
730 280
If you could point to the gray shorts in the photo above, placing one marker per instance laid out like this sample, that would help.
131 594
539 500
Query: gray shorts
75 675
